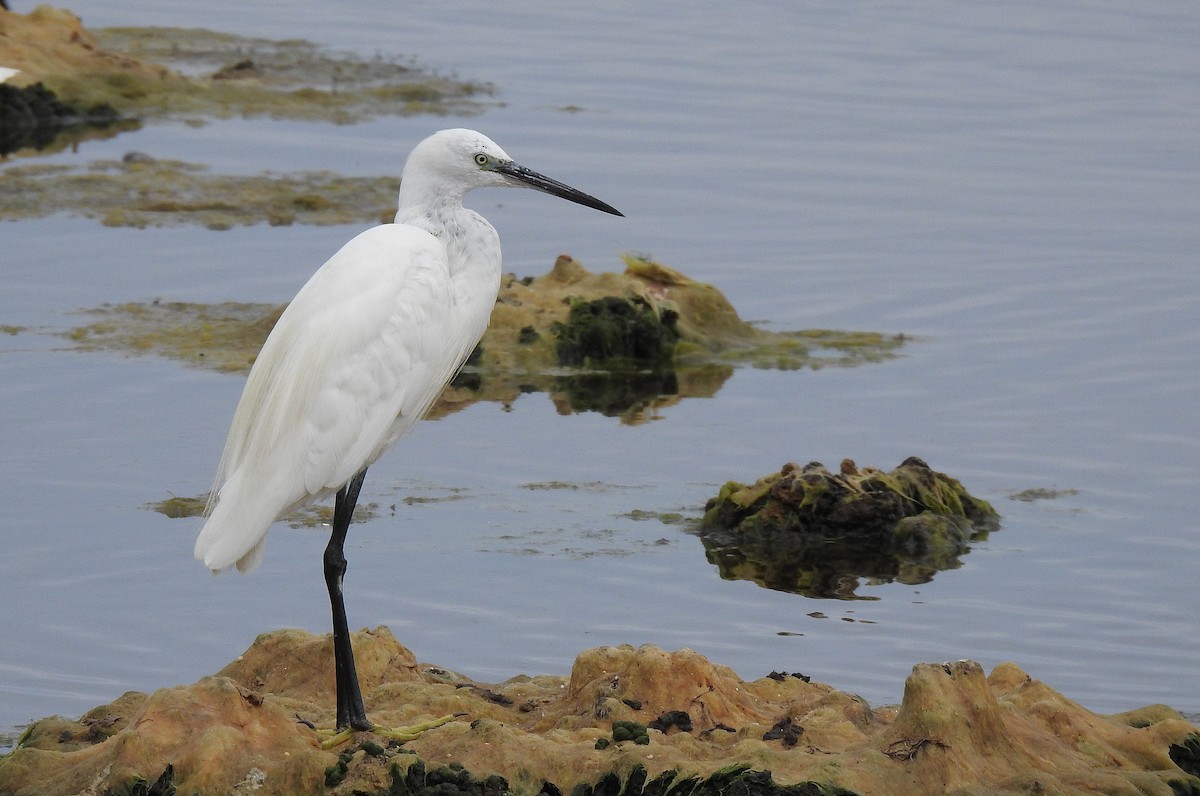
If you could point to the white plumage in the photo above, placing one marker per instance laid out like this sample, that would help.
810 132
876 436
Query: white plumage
366 346
358 356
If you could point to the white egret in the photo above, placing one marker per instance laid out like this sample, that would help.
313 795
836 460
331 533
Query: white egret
358 356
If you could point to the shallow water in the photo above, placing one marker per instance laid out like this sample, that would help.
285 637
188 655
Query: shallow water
1016 186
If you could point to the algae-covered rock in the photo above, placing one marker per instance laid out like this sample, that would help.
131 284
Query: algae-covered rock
624 344
32 116
810 531
669 721
216 74
612 330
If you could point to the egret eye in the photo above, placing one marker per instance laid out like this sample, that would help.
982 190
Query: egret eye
481 159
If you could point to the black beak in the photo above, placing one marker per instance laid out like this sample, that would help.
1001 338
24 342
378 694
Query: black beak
541 182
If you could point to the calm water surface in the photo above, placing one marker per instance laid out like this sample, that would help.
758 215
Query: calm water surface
1017 186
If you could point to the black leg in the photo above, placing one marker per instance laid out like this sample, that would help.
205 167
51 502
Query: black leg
350 711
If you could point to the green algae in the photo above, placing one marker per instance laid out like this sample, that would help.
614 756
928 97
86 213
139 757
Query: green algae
455 493
313 516
224 337
410 776
630 731
813 532
1185 753
320 515
1041 493
613 329
163 785
571 486
664 517
177 507
139 191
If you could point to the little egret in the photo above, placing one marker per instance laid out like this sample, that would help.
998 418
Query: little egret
358 356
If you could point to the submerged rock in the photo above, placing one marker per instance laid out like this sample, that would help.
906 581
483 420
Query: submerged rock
626 720
810 531
32 116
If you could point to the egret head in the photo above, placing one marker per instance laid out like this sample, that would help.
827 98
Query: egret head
451 162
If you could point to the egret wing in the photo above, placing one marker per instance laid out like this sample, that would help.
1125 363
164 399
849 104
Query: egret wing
352 363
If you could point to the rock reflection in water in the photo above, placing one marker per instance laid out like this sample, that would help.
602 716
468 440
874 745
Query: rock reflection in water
820 534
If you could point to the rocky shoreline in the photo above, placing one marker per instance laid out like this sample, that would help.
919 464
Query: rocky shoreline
626 720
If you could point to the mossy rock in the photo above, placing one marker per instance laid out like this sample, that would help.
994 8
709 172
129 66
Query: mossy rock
623 344
614 329
867 502
811 531
31 116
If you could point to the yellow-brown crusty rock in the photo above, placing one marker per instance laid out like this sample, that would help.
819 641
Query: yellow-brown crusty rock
956 731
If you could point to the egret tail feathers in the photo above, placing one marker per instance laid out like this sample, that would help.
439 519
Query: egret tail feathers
235 532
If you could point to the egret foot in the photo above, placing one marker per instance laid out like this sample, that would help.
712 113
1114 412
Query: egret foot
402 734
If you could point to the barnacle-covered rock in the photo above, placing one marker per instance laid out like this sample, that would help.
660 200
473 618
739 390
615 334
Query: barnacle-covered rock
811 531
